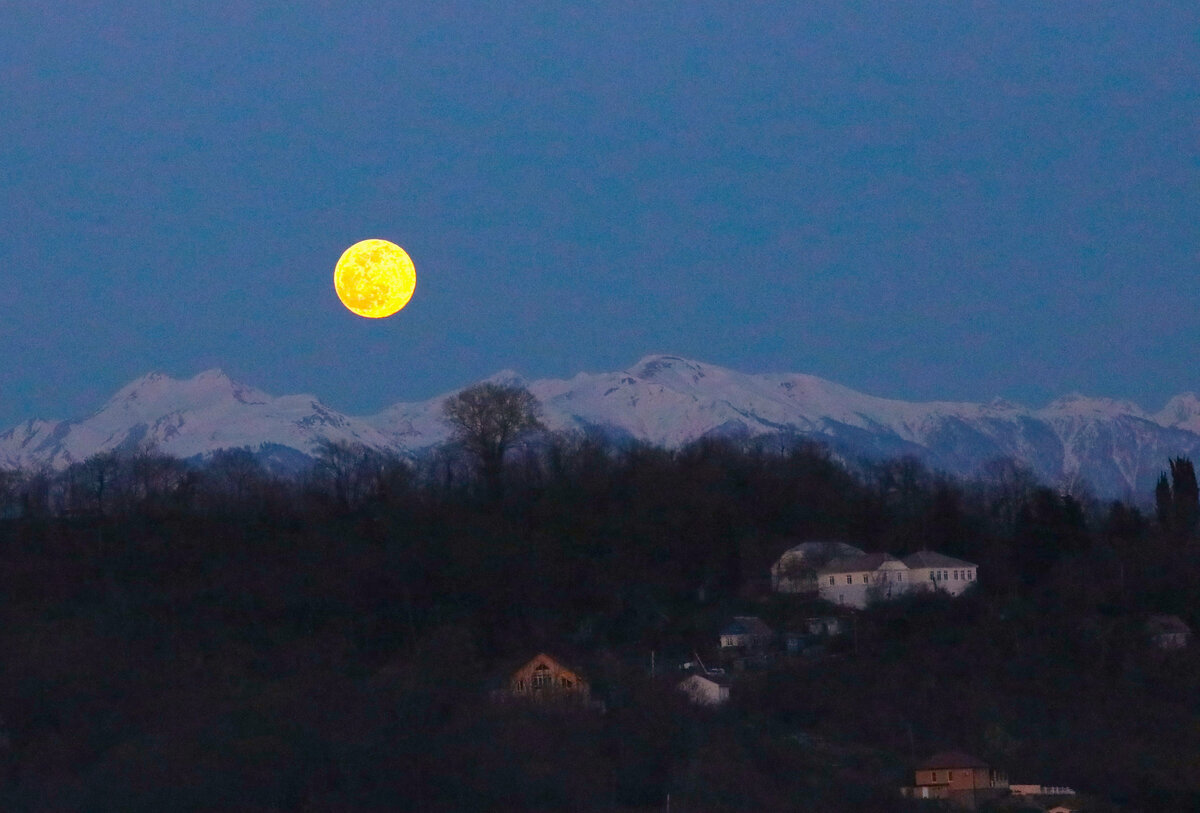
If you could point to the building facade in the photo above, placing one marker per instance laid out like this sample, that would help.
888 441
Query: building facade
859 580
796 570
543 677
746 632
959 778
705 690
935 571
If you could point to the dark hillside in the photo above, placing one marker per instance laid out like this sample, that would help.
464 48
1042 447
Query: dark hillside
333 644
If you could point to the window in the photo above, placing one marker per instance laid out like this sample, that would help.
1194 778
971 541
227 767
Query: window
933 777
899 577
849 580
956 575
945 575
831 579
971 575
864 578
541 676
949 776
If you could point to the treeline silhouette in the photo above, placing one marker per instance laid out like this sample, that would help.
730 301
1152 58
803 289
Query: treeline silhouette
203 636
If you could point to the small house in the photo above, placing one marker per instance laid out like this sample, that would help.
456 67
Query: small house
1040 790
544 677
826 626
959 778
705 689
1168 631
746 632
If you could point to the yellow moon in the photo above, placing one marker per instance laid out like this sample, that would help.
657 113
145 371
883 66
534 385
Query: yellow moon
374 278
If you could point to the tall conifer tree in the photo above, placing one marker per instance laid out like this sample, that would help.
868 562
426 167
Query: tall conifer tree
1185 496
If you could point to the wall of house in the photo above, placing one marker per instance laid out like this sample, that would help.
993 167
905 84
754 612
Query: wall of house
860 589
955 580
530 680
846 589
703 691
957 778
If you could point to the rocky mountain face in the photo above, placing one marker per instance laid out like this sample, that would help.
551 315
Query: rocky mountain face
1115 447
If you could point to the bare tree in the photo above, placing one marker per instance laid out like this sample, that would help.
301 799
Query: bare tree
487 419
354 472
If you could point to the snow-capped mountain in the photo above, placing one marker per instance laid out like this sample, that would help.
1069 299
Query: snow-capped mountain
185 419
1117 447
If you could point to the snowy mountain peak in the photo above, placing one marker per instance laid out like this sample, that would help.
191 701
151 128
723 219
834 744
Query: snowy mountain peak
156 394
665 400
1004 405
507 378
1182 412
664 369
1079 405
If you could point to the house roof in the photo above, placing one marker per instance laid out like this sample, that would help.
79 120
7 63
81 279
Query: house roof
823 549
856 564
549 660
951 759
716 680
928 558
1166 625
746 625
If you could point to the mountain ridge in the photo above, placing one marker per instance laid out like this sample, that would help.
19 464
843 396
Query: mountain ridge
1118 447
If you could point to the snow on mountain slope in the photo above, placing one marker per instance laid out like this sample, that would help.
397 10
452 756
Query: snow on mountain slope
185 419
664 400
1181 412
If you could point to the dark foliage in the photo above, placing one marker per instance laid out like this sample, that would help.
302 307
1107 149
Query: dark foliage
214 637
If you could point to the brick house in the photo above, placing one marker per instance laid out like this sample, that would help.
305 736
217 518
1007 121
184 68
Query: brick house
958 778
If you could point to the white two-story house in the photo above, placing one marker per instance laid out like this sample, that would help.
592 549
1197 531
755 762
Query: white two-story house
856 581
934 571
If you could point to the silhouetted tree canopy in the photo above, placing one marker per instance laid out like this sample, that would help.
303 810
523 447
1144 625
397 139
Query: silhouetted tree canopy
218 637
487 419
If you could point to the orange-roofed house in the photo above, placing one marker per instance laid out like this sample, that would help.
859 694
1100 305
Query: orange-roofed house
545 677
965 780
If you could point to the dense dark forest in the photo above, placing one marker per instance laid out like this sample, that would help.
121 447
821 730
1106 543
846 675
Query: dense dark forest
205 636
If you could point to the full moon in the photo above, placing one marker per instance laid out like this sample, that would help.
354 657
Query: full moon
374 278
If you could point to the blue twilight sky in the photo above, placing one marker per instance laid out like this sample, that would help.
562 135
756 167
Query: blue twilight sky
916 199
